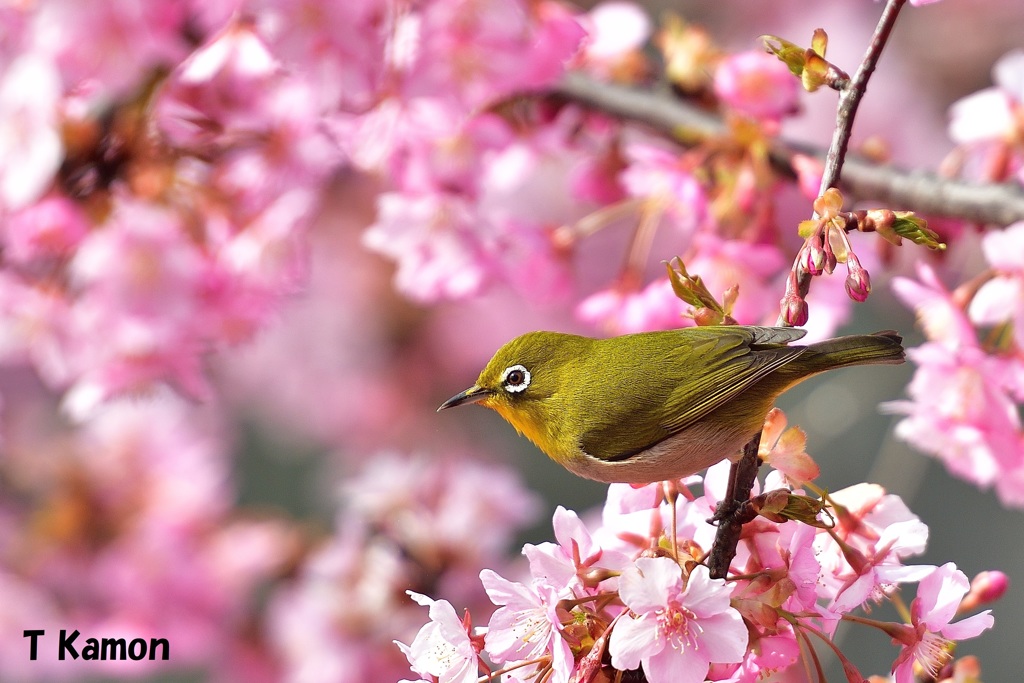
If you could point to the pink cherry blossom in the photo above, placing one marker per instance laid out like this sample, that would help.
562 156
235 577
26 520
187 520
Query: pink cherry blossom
1001 299
48 229
667 186
442 648
785 449
676 631
576 555
450 509
441 251
878 531
113 46
924 640
960 410
615 31
616 311
942 318
527 626
990 113
482 50
216 94
758 85
31 149
988 123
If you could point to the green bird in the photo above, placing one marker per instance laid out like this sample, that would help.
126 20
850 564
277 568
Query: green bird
655 405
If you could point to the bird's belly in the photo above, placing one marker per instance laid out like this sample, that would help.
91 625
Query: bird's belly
688 452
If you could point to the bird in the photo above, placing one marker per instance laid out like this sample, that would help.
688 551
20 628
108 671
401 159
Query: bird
655 406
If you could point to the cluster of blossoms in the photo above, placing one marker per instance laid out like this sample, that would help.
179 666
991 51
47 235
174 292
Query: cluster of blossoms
126 528
966 397
423 522
160 165
629 591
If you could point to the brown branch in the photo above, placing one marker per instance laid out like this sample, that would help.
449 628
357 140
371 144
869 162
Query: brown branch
851 95
920 191
734 510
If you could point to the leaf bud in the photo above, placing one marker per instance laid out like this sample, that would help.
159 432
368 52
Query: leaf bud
706 316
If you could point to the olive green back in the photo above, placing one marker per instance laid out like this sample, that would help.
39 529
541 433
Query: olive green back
661 383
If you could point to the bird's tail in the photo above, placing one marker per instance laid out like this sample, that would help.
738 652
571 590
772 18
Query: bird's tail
880 348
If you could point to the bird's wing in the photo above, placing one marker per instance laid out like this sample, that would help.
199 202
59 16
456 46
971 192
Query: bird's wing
705 370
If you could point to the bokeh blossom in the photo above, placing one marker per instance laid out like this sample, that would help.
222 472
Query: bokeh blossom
757 85
964 401
1001 299
989 122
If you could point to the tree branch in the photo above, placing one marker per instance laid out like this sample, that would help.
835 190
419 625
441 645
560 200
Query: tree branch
852 93
734 510
920 191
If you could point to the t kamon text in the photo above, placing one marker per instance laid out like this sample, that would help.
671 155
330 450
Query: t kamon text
101 648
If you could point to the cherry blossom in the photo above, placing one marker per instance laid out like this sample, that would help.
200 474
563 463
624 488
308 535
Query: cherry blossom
677 630
1001 299
931 629
442 648
527 625
758 85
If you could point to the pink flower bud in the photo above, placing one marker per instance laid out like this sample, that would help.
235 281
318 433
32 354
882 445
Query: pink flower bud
830 256
794 309
858 281
858 285
813 256
985 588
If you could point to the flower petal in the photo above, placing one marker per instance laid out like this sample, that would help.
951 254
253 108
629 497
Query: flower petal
676 666
969 627
632 639
939 595
649 583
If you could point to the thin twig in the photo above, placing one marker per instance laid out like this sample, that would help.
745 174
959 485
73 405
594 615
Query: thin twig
851 95
846 112
920 191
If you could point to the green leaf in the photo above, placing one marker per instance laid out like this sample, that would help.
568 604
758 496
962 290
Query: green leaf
792 55
915 229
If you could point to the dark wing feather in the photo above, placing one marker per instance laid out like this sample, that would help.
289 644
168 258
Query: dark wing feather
680 377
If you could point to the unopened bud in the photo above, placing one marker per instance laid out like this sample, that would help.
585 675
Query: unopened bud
858 281
794 310
879 218
813 256
705 316
985 588
858 285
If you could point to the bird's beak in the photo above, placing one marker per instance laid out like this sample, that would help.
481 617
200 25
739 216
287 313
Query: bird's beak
471 395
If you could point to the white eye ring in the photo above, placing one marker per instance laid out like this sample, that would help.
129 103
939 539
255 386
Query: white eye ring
521 386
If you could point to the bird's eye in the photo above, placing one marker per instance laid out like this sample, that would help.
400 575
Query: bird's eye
516 378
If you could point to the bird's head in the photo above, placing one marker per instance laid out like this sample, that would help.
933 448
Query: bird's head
523 379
